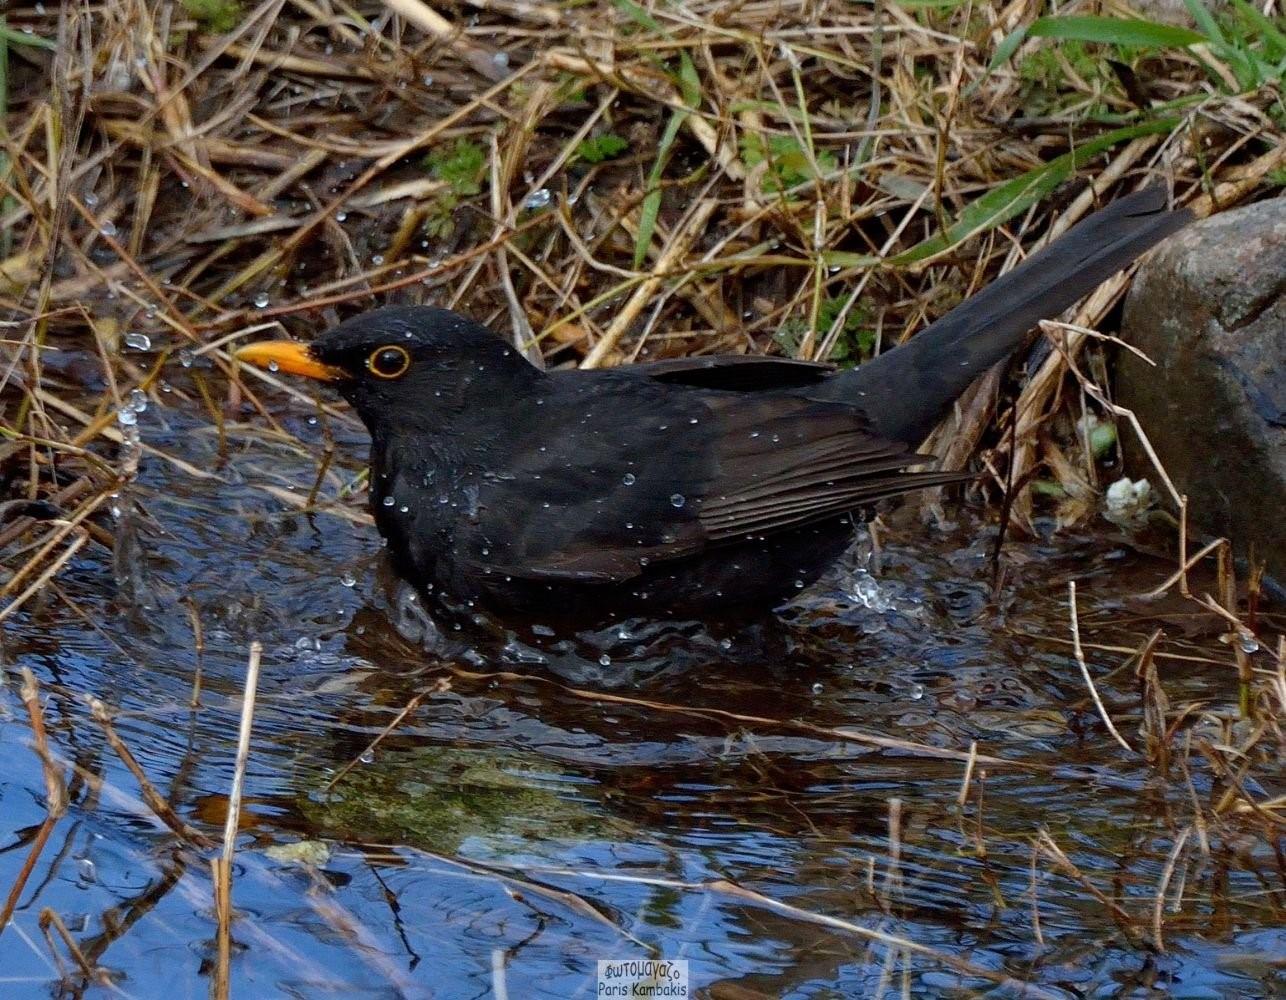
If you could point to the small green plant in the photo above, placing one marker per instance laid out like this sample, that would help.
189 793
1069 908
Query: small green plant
788 163
461 166
1251 45
215 15
856 338
598 148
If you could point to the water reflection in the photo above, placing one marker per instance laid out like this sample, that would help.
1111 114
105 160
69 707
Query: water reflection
538 808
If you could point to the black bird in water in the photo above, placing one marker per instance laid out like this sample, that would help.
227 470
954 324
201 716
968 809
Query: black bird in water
692 485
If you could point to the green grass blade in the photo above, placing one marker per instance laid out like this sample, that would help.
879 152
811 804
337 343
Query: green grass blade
1115 31
1270 31
1013 197
1204 20
638 15
1007 47
22 38
1004 52
651 207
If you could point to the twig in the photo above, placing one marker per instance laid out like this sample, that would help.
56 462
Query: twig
1085 670
55 793
221 867
154 799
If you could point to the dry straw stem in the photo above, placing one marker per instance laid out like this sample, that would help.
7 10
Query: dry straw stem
731 890
845 735
817 143
407 709
55 793
156 802
50 918
221 867
1085 670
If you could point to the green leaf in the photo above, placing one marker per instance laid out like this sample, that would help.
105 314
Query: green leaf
651 206
598 148
1014 197
638 15
689 81
1115 31
1048 488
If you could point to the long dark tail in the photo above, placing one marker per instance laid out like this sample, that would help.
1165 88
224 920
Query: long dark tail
910 388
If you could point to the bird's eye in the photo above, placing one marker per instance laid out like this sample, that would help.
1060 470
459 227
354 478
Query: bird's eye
389 362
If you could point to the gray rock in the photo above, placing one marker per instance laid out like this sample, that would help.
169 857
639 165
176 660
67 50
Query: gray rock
1210 309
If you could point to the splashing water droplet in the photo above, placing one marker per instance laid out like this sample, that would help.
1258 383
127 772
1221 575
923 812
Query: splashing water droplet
108 228
187 357
538 199
388 501
348 580
126 416
138 341
341 216
367 757
678 500
273 366
262 300
377 259
917 692
605 660
628 479
137 400
818 688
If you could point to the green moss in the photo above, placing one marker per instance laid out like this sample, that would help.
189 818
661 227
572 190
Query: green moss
215 15
461 165
437 797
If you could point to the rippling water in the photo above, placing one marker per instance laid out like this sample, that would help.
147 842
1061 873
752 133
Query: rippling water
547 803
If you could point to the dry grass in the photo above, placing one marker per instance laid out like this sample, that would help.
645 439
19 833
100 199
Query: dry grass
599 181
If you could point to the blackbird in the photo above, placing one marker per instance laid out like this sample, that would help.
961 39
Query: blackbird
680 486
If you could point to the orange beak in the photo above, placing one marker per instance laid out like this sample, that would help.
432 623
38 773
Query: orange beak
288 356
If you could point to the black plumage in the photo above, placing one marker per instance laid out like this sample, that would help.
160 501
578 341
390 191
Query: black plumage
673 486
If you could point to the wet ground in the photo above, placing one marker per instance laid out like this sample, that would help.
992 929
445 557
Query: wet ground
721 804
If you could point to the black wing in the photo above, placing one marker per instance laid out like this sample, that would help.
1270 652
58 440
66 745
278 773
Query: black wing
636 471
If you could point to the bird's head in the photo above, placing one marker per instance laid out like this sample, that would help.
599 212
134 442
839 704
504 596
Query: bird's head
401 364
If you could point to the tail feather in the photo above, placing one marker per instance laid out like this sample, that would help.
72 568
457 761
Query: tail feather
909 389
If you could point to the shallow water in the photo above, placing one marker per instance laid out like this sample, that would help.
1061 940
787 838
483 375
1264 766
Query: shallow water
514 828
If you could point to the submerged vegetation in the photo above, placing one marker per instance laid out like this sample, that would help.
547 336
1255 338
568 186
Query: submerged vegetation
1083 784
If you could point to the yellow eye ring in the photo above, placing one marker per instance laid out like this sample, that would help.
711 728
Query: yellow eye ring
388 362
